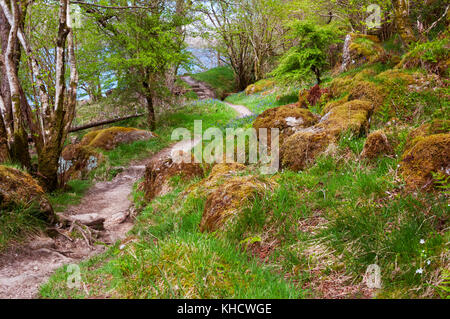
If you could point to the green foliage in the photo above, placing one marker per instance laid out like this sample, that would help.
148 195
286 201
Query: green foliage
310 52
431 51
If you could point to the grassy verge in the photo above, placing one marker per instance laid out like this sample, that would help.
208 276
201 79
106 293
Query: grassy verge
314 236
258 103
221 79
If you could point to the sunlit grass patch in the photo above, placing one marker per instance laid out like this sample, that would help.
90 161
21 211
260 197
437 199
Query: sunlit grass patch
71 195
19 224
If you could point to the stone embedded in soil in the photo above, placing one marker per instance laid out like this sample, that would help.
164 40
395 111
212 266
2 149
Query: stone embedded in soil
91 220
78 160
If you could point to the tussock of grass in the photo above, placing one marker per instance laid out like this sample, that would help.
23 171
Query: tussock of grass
18 225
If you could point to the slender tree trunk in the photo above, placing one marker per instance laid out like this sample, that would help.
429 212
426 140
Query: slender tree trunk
151 112
4 148
401 16
317 73
19 147
5 91
64 112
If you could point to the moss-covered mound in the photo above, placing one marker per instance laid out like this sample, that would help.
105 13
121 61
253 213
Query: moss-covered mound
259 86
108 139
219 174
303 147
78 160
377 144
158 174
288 119
427 129
365 49
357 88
226 201
19 190
428 155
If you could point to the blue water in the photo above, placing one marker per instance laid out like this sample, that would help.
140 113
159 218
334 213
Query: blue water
203 59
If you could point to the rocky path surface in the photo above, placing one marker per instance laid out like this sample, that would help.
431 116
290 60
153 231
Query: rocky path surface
106 208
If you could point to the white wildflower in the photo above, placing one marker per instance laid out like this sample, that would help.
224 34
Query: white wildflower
422 241
419 271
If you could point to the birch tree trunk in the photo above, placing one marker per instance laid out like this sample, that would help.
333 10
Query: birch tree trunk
55 118
19 145
61 116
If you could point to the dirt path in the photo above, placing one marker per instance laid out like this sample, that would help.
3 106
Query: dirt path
23 271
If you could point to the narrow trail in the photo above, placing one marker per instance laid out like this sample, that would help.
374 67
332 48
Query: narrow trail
23 271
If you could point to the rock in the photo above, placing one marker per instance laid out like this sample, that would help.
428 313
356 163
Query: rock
303 147
110 138
288 119
39 243
118 218
18 190
377 144
91 220
259 86
78 160
427 155
159 172
228 198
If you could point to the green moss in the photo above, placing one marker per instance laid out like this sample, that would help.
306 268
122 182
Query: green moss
303 147
259 86
219 174
225 202
109 138
428 155
288 119
431 128
377 144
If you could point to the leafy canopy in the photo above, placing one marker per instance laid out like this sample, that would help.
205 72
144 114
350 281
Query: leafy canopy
309 54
